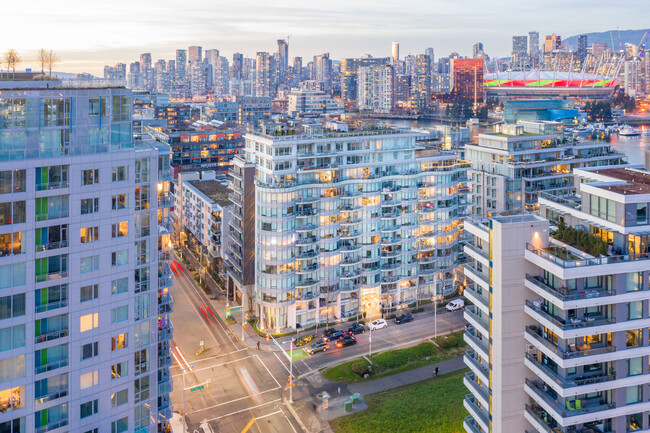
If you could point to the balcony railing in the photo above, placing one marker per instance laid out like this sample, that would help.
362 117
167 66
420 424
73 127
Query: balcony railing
588 405
537 334
608 260
570 382
51 335
565 294
572 323
52 245
51 366
166 332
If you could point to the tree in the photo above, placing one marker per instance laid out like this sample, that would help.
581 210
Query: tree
52 59
41 58
12 59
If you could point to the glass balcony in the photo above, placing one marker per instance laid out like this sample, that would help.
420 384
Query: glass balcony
165 304
470 425
471 313
471 336
587 350
165 226
165 200
474 387
571 323
571 407
51 335
565 294
166 331
470 358
570 382
580 263
470 400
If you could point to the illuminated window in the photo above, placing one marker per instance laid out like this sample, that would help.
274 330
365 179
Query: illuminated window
89 379
88 322
119 342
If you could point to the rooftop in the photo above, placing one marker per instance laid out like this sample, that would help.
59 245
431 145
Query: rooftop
214 190
636 181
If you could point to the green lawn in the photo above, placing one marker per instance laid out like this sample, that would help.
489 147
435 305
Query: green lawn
433 405
394 361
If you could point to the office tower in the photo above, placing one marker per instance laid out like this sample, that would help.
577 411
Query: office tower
510 168
221 76
323 70
552 43
84 264
422 83
598 49
194 54
444 65
533 48
395 51
210 60
375 89
467 76
283 65
582 46
362 234
239 257
135 76
198 79
311 101
402 90
145 60
558 327
519 50
181 68
237 64
477 50
264 85
429 52
296 71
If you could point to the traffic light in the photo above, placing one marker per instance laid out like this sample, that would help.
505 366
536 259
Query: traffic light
267 337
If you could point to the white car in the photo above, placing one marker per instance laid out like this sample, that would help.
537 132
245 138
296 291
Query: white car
378 324
455 305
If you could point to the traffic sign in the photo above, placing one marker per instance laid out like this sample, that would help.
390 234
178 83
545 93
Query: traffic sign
196 388
235 308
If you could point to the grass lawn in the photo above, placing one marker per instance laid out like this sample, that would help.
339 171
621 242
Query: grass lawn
298 354
433 405
396 361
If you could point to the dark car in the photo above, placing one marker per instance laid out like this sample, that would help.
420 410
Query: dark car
348 340
318 346
404 318
356 328
328 333
334 336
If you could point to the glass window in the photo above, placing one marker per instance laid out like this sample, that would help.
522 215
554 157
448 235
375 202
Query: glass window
120 314
89 264
120 426
89 205
634 337
119 258
88 293
635 310
633 394
120 286
119 201
88 409
119 370
89 177
635 366
89 379
89 234
119 342
120 173
119 398
88 322
120 229
89 350
642 214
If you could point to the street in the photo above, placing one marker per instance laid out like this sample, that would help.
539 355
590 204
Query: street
227 384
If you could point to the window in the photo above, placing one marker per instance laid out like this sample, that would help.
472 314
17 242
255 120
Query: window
88 322
119 398
12 244
635 310
120 314
634 281
634 337
89 205
119 370
12 212
95 430
633 394
89 234
88 409
52 207
96 106
12 337
12 368
141 417
88 293
51 177
12 275
52 267
89 379
635 366
119 201
89 264
642 214
141 361
119 258
50 298
141 389
89 350
120 286
89 177
122 424
119 342
12 181
12 306
120 173
120 229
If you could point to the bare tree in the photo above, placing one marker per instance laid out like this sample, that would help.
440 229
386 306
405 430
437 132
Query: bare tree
41 58
12 59
52 59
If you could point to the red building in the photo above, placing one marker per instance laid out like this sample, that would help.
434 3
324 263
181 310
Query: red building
467 75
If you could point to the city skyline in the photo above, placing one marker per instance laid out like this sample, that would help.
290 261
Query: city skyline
130 29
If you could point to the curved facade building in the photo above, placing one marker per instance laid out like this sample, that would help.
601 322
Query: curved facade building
537 83
350 222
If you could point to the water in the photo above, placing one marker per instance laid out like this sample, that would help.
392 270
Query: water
633 147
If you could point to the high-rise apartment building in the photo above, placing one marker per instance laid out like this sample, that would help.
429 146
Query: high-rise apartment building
582 46
477 50
511 168
181 68
402 90
323 70
84 264
533 48
421 83
559 326
467 79
264 84
375 89
350 76
195 54
552 43
519 51
395 51
305 101
347 223
283 51
237 64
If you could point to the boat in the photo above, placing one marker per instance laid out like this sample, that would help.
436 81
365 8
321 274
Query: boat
646 133
628 131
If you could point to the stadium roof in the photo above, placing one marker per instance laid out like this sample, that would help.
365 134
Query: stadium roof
537 78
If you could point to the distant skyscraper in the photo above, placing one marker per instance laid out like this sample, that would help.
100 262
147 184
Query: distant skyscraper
467 77
422 84
221 76
323 70
211 57
145 60
429 52
533 47
376 88
283 51
297 70
194 54
395 51
552 43
264 76
237 64
582 45
477 50
181 68
519 50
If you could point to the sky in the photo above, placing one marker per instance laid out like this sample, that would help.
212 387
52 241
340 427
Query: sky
86 35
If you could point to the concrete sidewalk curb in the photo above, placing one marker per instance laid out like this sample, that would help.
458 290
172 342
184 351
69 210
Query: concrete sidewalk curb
289 406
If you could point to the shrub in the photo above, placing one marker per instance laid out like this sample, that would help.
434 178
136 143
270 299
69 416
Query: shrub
581 240
360 367
449 342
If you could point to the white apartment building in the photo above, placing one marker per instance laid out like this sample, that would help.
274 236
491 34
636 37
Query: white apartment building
306 101
350 222
200 206
511 167
375 88
84 272
559 326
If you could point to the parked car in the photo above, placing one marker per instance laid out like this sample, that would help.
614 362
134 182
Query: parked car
455 305
356 328
348 340
404 318
328 333
319 346
334 336
377 324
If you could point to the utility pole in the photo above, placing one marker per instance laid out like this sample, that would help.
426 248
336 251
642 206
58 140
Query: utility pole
189 367
370 342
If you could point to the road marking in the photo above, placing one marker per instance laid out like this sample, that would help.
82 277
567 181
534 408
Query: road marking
303 361
270 414
267 369
236 400
292 427
244 410
219 365
280 361
249 425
